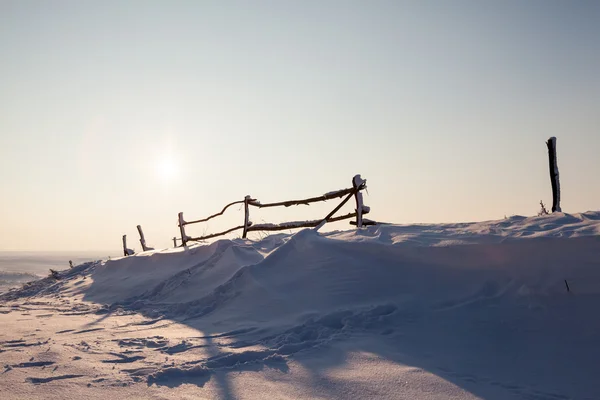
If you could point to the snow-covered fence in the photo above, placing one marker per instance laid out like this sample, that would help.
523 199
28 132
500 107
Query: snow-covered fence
358 184
551 144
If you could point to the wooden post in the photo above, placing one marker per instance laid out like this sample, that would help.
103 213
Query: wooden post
182 229
125 253
142 239
359 209
358 183
551 144
246 216
174 241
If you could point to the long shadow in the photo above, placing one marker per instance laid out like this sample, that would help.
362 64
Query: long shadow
494 320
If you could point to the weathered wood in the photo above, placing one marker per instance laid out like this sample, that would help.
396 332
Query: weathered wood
216 234
297 224
358 185
356 182
215 215
125 245
246 216
126 251
329 216
184 237
359 209
365 222
326 196
142 238
551 144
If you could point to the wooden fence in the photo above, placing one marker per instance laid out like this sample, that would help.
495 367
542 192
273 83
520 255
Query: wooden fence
358 184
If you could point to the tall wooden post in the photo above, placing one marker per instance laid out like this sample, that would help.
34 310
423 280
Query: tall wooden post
142 239
551 144
246 216
182 229
125 253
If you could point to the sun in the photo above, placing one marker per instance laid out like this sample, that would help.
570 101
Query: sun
167 169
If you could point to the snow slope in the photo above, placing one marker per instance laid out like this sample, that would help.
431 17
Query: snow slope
444 311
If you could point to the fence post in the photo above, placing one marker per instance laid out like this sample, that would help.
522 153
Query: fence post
174 241
125 245
358 183
551 143
142 239
182 229
359 206
246 216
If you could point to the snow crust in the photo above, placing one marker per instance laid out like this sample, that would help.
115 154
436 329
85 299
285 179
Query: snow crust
431 311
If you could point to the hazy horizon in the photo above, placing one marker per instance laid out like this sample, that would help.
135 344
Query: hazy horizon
115 114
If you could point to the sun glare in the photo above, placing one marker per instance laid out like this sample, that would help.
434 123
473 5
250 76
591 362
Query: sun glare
167 169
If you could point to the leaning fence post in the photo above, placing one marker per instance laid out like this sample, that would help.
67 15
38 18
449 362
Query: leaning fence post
246 216
551 143
182 229
142 239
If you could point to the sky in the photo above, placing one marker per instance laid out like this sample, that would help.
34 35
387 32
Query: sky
119 113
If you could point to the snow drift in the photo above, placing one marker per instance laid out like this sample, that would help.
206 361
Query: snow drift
499 309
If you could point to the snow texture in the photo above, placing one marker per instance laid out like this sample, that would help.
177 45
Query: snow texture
431 311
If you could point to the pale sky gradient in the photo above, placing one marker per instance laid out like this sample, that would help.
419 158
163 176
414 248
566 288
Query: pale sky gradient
443 106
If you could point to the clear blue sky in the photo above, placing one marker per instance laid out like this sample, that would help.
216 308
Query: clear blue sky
118 113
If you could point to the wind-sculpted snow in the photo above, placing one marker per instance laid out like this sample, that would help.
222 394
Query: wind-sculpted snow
501 310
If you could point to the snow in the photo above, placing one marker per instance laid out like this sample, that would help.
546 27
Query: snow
357 181
431 311
336 193
283 225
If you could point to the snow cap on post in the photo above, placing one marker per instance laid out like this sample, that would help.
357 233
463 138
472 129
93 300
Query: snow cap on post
359 182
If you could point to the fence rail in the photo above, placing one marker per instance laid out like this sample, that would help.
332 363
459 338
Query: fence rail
358 184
